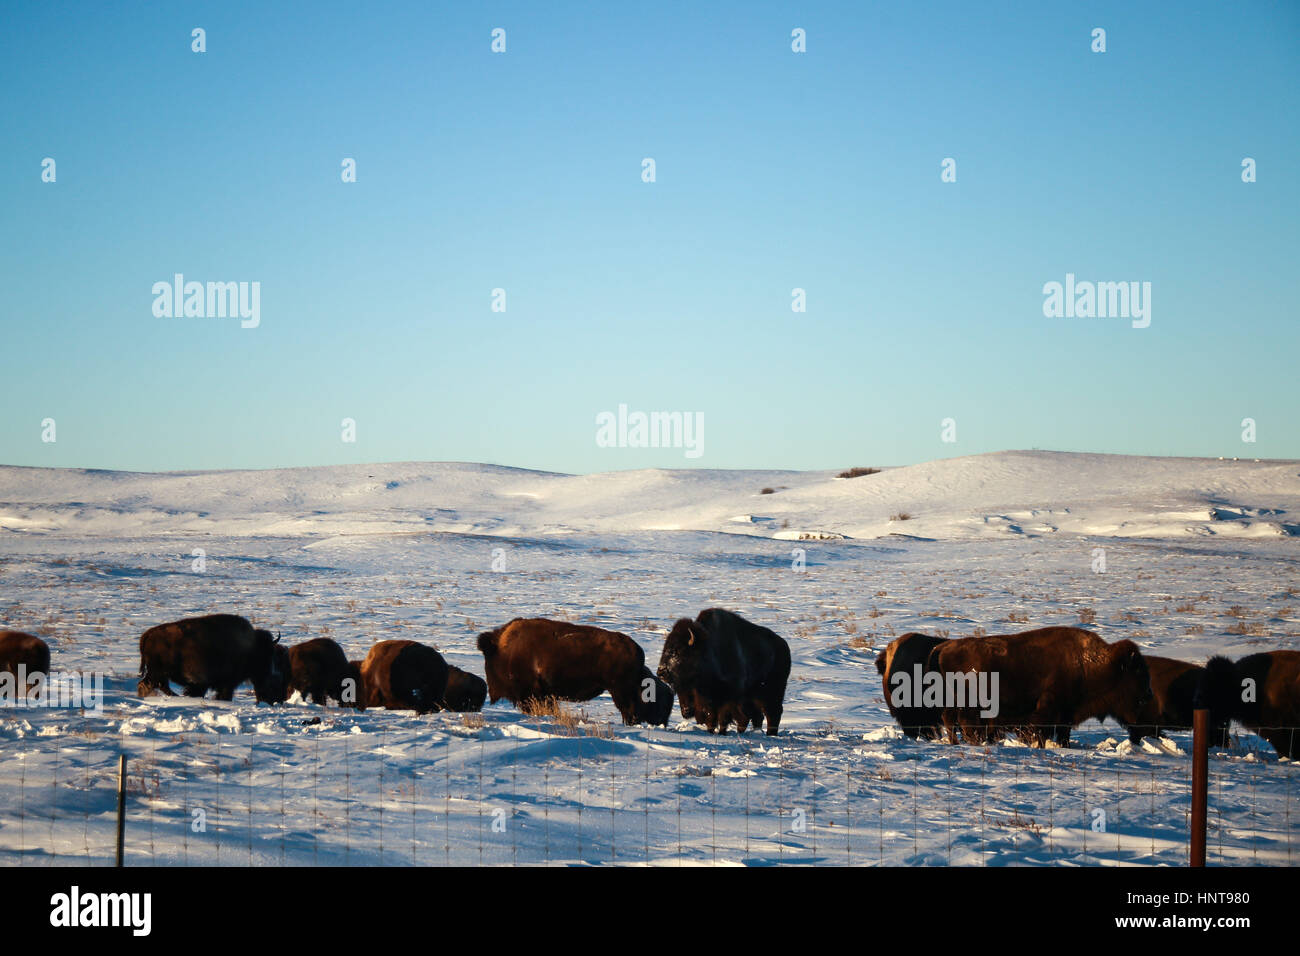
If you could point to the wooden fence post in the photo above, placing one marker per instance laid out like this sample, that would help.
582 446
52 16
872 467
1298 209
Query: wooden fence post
121 806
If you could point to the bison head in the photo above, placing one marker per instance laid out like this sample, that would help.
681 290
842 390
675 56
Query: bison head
654 704
679 662
1132 682
270 668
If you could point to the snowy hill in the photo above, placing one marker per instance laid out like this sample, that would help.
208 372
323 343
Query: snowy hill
1201 559
1001 494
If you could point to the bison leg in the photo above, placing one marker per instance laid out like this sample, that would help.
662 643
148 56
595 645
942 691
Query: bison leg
732 713
196 690
949 726
706 715
1285 741
771 702
756 712
226 693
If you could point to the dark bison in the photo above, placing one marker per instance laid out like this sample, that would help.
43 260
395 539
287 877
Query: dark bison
354 687
404 675
25 651
1260 691
531 659
317 670
903 656
726 670
1049 681
1173 691
465 691
218 651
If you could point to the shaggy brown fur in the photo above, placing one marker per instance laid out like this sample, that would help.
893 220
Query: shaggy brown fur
1274 685
465 691
1050 680
217 651
27 650
317 669
901 656
404 675
354 687
727 670
533 658
1173 687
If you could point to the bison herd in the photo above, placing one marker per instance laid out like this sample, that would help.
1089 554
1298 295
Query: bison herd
1054 678
725 671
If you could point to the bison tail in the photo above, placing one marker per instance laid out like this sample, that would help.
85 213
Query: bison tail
1217 689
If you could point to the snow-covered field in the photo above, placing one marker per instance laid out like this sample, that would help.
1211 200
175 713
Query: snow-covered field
1200 557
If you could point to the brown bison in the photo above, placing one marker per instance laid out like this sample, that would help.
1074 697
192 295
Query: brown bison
217 652
531 659
1260 691
317 670
1045 682
404 675
23 655
726 670
1173 689
465 691
909 655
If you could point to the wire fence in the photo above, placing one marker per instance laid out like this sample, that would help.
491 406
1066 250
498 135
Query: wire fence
534 793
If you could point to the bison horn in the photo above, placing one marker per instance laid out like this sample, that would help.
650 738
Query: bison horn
277 637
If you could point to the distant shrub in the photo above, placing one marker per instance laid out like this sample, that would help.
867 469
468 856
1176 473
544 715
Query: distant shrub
858 472
901 516
768 491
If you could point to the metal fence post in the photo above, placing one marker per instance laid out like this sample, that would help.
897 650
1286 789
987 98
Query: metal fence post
1200 783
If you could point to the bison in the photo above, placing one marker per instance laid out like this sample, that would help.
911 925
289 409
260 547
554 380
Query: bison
404 675
317 670
726 670
1260 691
1046 681
23 655
354 688
217 651
1173 690
902 656
465 691
531 659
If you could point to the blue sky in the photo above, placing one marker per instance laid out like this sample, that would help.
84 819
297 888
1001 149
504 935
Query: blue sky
522 171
